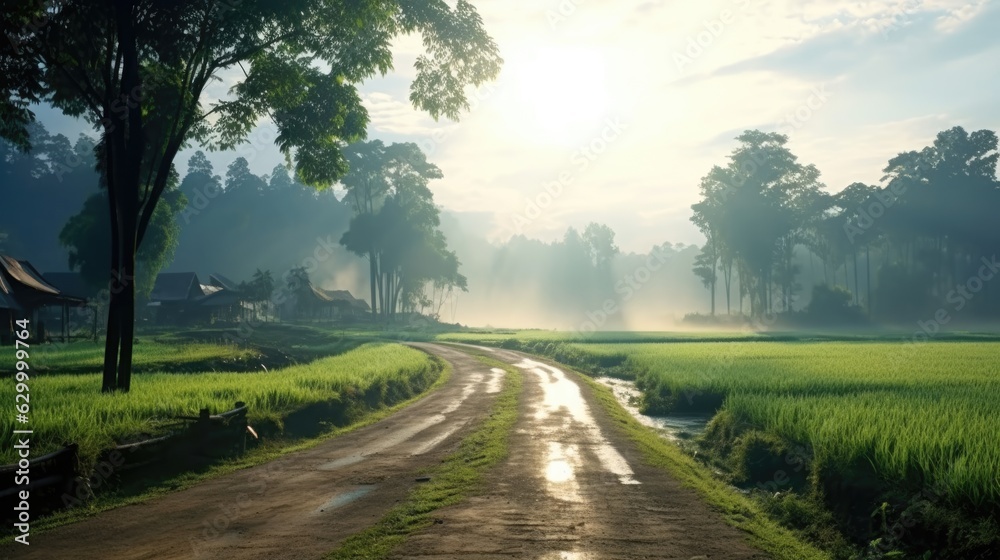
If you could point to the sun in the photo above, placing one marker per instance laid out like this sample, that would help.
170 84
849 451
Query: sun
560 93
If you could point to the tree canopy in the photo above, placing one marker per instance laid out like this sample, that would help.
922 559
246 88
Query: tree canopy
920 238
138 71
395 226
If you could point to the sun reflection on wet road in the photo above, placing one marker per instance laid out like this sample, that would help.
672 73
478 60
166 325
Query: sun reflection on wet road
562 397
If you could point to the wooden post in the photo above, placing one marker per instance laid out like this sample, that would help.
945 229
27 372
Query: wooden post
241 428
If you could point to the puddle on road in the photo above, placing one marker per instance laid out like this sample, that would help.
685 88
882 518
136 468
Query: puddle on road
342 462
387 441
568 555
427 446
495 381
408 432
467 391
344 498
561 393
675 428
561 464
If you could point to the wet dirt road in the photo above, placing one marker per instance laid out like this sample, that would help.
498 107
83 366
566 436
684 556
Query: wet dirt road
572 488
300 506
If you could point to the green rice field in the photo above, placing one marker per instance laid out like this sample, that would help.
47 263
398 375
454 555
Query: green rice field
149 355
72 408
891 433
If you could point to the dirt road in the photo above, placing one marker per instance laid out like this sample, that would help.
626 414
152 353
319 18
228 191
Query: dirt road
573 489
297 507
568 490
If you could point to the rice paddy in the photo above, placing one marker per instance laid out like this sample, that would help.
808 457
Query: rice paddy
890 432
72 408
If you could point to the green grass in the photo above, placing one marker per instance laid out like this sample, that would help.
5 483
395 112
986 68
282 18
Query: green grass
515 338
737 509
875 424
149 355
527 339
71 407
459 474
926 414
268 451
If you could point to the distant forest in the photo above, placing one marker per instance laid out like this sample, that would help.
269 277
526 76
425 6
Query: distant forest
777 245
922 246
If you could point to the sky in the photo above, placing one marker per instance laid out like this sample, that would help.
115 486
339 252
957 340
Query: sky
611 112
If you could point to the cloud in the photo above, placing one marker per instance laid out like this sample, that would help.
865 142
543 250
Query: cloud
390 114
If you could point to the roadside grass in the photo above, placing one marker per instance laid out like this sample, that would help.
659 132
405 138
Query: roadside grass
917 415
149 355
528 339
737 509
72 408
459 475
879 448
266 452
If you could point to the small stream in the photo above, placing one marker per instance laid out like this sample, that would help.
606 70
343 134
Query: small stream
676 428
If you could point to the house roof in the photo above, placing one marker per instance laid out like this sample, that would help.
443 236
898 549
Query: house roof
216 279
176 286
209 289
220 298
345 297
7 300
24 273
21 286
320 294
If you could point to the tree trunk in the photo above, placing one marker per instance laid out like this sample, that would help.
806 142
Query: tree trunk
127 310
727 272
372 277
857 288
712 297
868 280
113 335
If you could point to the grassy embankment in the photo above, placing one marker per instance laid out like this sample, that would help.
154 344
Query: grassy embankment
72 408
323 398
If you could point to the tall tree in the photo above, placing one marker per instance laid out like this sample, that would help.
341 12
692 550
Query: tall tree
138 69
758 207
705 269
87 235
393 205
600 240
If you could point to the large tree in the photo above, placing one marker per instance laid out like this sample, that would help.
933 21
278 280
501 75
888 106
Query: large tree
86 235
757 207
138 69
395 226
